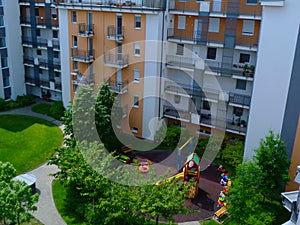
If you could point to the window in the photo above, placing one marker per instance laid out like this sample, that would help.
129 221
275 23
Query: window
177 99
2 42
7 93
244 58
136 74
241 84
252 1
55 34
1 21
39 52
4 62
248 27
135 101
137 49
56 54
38 32
36 11
135 130
205 105
56 74
53 13
181 23
137 21
214 25
40 71
75 45
75 65
211 53
74 17
180 48
237 111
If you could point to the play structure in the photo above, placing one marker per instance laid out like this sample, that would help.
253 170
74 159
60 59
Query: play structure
190 175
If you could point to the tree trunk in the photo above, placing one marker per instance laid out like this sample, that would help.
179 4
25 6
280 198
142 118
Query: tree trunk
156 221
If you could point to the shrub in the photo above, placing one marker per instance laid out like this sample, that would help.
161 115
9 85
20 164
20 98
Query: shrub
25 100
3 105
57 110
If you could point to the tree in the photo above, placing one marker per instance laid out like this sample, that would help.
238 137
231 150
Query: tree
272 159
16 197
246 205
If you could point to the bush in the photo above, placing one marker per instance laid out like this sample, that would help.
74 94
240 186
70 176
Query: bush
25 100
57 110
3 105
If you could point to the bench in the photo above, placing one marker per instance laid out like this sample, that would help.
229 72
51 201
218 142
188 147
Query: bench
220 212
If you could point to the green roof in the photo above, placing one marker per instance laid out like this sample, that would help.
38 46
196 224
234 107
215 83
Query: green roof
194 157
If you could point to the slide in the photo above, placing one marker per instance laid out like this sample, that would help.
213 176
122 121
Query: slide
177 176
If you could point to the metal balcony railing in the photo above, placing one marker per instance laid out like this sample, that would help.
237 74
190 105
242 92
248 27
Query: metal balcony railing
28 60
118 60
41 21
180 61
58 86
182 89
134 4
114 33
56 44
239 99
56 64
82 55
86 30
27 40
43 62
25 19
29 79
41 42
118 87
83 80
170 112
45 83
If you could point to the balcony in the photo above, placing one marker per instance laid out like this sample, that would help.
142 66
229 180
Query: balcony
229 70
41 21
114 33
56 65
118 87
117 60
181 62
27 41
86 56
58 86
45 83
43 63
239 100
83 80
42 43
55 44
172 113
85 30
182 89
28 60
145 5
25 20
30 80
217 8
54 23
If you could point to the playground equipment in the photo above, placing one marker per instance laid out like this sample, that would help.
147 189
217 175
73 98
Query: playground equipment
189 144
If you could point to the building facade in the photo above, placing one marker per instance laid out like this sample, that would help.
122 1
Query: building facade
41 48
212 57
275 105
11 72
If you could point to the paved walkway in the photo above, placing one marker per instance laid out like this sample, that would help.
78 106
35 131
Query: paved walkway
46 210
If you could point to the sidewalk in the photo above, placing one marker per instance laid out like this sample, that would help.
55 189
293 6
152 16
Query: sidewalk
46 210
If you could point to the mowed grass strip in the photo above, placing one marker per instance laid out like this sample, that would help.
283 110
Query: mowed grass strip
27 141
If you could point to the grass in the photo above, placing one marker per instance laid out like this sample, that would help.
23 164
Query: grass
42 108
209 222
27 141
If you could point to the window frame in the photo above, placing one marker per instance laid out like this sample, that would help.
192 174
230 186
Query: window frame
241 84
137 49
136 75
179 49
244 55
212 27
181 22
208 53
246 32
136 100
137 22
74 17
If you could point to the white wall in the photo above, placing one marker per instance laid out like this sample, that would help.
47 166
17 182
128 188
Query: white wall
64 56
279 31
14 47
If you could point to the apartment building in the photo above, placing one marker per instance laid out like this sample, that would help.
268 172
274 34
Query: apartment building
275 99
11 68
214 43
111 41
41 48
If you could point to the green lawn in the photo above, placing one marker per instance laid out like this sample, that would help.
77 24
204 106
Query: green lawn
42 108
27 141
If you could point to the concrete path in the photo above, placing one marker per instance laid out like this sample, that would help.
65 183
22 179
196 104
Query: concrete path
190 223
46 210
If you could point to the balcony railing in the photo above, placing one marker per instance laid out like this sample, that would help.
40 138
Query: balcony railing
28 60
45 83
82 55
85 30
56 44
224 8
118 87
43 63
30 80
180 61
36 1
118 60
83 80
114 33
25 19
131 4
56 64
182 89
228 69
58 86
41 42
27 40
170 112
239 99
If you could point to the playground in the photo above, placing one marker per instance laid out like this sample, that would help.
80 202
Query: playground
208 186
